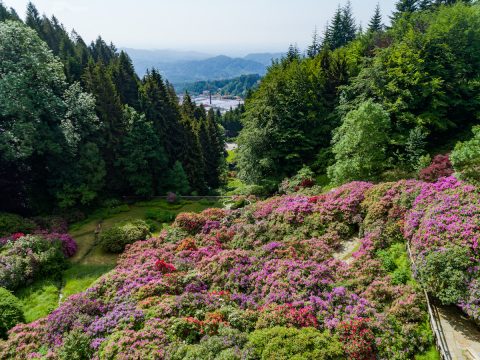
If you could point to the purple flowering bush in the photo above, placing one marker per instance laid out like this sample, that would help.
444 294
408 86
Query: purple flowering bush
257 281
24 258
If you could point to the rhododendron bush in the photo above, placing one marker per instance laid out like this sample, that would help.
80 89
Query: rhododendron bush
272 278
24 258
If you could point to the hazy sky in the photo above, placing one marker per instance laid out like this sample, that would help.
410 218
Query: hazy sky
213 26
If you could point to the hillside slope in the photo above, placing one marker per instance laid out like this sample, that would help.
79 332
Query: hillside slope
264 280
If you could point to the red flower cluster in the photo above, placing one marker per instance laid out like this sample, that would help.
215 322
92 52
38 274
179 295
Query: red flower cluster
164 267
17 236
358 339
440 167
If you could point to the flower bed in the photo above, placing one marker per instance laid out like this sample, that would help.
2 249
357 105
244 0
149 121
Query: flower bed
249 283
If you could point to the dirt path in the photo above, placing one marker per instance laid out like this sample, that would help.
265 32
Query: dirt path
347 249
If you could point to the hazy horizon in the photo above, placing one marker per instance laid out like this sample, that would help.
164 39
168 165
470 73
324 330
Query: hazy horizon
213 27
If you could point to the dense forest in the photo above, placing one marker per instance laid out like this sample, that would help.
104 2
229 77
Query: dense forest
239 86
371 104
79 126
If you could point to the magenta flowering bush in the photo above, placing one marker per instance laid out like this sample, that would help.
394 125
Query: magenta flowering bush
212 284
24 258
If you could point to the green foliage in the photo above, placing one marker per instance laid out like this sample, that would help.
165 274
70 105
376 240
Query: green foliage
395 261
12 223
444 273
76 346
161 216
10 312
359 144
39 298
290 343
117 237
465 158
177 180
80 277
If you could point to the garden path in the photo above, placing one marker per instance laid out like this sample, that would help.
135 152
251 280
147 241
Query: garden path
462 335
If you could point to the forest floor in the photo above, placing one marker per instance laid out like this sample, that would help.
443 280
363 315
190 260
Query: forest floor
90 262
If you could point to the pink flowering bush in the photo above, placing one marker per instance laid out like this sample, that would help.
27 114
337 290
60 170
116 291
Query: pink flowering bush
263 279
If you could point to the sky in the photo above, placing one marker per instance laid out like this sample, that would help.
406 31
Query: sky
210 26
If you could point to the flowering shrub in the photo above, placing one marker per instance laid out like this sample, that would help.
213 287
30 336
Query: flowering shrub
272 280
358 339
117 237
26 258
440 167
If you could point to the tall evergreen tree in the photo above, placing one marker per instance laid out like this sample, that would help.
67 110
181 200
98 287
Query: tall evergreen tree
348 26
109 109
126 80
315 47
212 148
342 28
376 24
192 155
404 7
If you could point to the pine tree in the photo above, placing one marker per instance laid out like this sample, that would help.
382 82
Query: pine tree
177 180
212 148
376 24
342 28
349 28
126 80
314 49
404 7
293 54
109 109
33 18
192 154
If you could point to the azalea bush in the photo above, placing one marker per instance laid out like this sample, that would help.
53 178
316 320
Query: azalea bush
441 166
24 258
272 280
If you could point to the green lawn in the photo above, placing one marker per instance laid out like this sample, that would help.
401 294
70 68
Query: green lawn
39 299
91 261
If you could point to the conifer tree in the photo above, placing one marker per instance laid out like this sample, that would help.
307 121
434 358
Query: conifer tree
126 80
109 109
33 18
348 26
213 149
404 7
376 24
192 154
177 180
314 49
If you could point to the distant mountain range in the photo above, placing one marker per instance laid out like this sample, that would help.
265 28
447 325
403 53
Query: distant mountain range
181 67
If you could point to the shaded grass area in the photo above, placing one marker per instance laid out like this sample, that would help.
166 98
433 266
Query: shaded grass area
80 277
91 261
39 299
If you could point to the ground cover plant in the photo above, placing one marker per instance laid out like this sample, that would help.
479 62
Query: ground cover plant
256 282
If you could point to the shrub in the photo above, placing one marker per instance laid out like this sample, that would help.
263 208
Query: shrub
76 346
305 178
358 339
440 167
171 198
11 223
161 216
10 312
117 237
289 343
444 273
466 158
28 258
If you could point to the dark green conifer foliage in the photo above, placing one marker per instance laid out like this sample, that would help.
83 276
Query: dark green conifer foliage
404 7
192 154
213 149
342 28
126 80
177 180
142 158
315 47
376 24
109 109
